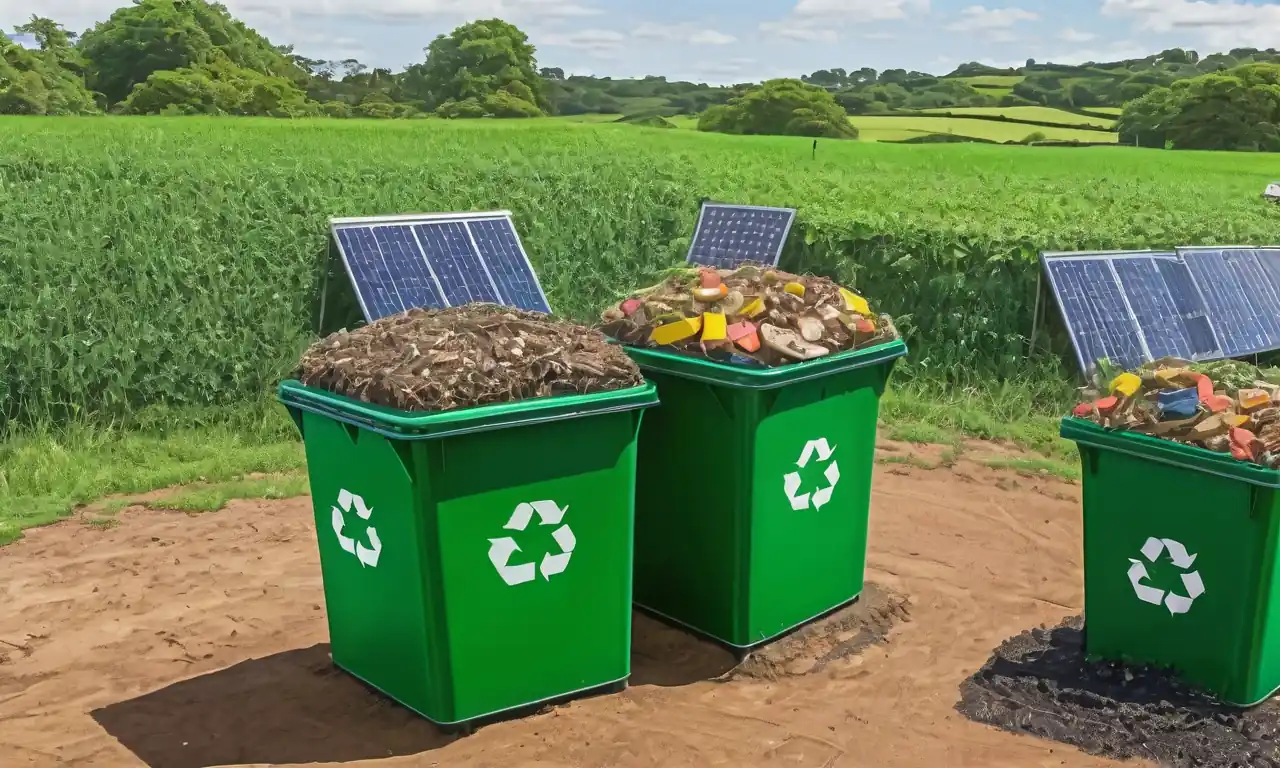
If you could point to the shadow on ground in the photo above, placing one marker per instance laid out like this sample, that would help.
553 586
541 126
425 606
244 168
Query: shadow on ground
1039 683
297 707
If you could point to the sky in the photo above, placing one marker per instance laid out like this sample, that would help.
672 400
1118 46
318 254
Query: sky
730 41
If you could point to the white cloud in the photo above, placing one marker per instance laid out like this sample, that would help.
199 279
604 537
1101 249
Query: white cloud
798 32
977 18
601 43
1219 24
816 21
1076 36
691 34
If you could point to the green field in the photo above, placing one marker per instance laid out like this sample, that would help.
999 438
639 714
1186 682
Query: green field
894 128
1107 110
1038 114
992 81
159 275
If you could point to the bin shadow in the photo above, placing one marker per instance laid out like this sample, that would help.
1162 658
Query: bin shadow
292 707
667 656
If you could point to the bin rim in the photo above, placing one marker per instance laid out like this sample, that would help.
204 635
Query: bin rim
405 425
1191 457
741 377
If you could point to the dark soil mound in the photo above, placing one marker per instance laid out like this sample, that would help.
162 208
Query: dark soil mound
1039 683
480 354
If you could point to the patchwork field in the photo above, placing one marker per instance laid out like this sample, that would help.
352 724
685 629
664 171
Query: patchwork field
894 127
1038 114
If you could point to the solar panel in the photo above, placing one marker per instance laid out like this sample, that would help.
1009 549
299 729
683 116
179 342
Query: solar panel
1239 294
728 235
397 263
1196 303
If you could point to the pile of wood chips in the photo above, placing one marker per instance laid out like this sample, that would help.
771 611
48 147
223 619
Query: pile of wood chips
479 354
1226 406
753 316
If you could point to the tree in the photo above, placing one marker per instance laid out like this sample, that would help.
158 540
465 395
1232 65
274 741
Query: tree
157 35
1238 109
478 61
781 107
551 73
222 88
44 82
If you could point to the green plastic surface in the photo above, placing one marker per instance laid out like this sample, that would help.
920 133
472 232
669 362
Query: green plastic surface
719 546
431 622
1224 513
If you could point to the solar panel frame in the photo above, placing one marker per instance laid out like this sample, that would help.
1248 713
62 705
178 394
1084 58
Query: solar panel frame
340 225
709 205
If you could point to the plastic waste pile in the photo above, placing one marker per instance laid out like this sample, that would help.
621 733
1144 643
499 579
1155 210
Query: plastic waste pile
1226 406
752 316
479 354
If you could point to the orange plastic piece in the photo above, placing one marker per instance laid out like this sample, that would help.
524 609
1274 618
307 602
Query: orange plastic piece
1253 399
1204 386
1217 403
1244 444
630 306
863 325
745 335
1107 404
710 279
1082 410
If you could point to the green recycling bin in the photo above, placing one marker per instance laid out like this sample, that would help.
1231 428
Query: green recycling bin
479 560
1180 562
753 489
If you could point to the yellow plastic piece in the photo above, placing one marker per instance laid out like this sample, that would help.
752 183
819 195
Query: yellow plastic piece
795 289
1126 384
1254 398
677 331
754 308
713 326
855 303
1235 420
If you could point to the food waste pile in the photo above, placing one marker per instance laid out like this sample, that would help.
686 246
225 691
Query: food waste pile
1226 406
751 316
478 354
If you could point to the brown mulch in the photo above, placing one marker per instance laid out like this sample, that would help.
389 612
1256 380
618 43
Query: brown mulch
479 354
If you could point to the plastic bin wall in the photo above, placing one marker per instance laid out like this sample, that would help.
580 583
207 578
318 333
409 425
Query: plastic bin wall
479 560
753 490
1180 561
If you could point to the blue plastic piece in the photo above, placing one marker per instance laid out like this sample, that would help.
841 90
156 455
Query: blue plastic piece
1178 403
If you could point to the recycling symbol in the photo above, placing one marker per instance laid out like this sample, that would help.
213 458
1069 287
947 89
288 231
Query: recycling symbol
1191 582
501 550
368 556
792 482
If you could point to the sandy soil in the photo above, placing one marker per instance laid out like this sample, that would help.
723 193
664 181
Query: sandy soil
175 641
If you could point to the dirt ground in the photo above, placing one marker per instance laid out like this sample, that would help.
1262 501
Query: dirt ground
173 641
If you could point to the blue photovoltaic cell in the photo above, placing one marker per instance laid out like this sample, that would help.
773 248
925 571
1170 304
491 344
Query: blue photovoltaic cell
413 281
729 235
1158 319
1190 307
1270 258
456 264
1238 295
374 284
496 239
1095 312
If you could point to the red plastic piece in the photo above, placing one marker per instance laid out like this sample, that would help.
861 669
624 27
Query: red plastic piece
710 279
630 306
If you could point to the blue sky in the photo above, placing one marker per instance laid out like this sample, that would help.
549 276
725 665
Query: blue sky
724 41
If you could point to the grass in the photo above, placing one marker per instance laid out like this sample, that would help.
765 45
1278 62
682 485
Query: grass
1107 110
875 127
213 497
1038 114
989 81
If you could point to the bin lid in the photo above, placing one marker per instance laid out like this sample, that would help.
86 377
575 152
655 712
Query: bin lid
1192 457
743 377
407 425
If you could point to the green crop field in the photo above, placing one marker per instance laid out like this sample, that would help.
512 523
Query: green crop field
1038 114
893 127
992 81
1107 110
178 260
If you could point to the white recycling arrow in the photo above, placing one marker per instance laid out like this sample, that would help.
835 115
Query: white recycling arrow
1178 555
368 556
792 481
500 551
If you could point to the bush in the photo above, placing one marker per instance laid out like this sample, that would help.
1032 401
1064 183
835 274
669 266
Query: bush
783 108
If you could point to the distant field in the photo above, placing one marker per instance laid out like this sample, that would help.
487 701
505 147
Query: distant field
891 128
1107 110
1040 114
992 81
